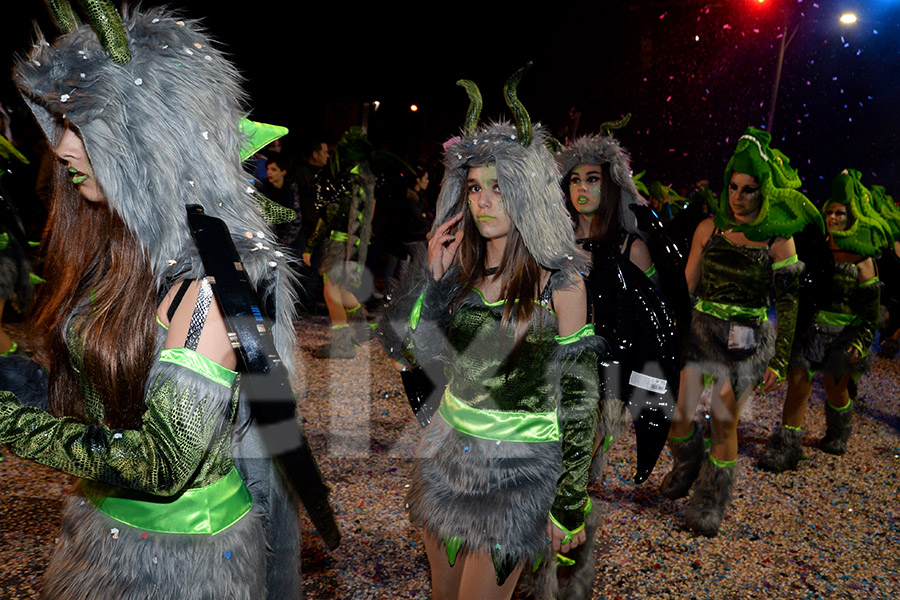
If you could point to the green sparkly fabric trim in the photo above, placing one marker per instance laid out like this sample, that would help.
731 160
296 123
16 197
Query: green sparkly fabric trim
869 282
792 428
844 408
728 312
161 324
499 425
826 317
190 359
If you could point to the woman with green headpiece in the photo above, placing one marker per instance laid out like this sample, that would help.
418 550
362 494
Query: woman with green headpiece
837 341
737 259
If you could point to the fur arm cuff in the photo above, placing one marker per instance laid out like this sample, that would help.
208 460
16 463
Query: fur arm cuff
413 325
786 281
185 412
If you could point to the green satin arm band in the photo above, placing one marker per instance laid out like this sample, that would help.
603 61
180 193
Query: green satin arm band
199 364
722 464
783 263
730 312
651 271
161 324
207 510
497 424
585 331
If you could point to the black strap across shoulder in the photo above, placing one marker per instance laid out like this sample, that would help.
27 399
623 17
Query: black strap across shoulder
179 296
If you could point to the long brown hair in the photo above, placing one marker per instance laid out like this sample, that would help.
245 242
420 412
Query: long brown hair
605 225
519 272
99 281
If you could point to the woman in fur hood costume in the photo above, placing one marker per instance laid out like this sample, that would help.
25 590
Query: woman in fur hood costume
143 398
838 340
500 482
737 259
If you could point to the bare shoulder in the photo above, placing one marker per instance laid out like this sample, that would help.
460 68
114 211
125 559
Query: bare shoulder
867 270
640 255
214 343
570 304
782 248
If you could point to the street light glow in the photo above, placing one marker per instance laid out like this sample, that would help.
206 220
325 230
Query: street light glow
848 18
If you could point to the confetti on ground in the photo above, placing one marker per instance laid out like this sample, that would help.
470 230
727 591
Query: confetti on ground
830 529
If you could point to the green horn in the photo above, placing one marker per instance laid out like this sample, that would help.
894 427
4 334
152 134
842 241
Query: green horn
607 127
63 15
108 25
523 121
474 112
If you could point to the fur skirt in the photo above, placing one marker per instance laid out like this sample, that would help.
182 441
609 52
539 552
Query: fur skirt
97 558
334 263
493 496
706 348
824 348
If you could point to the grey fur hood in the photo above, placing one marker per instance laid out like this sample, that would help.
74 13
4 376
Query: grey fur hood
531 191
599 150
162 132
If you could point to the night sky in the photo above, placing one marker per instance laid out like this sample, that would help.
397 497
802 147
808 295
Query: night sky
693 74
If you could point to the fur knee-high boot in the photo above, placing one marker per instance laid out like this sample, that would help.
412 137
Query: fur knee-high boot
838 427
711 495
359 323
687 455
783 452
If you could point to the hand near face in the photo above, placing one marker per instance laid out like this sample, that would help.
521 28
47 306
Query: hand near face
442 246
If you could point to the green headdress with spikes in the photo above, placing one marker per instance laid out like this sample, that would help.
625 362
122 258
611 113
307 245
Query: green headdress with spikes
867 233
784 210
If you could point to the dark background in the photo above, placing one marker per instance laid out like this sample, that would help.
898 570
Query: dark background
693 74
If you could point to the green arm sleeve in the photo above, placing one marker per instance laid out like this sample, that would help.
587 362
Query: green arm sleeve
578 393
186 411
317 236
786 281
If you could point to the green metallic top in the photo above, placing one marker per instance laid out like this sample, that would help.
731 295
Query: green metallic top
184 441
744 276
523 399
851 303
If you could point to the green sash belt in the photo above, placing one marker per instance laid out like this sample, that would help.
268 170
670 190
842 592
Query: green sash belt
826 317
207 510
730 312
497 424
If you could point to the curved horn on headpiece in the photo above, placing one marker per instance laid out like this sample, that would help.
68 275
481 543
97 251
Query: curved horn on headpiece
474 112
63 15
108 25
607 127
523 121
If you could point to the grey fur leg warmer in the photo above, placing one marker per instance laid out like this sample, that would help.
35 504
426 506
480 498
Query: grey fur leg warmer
711 496
359 323
687 456
340 346
838 427
783 452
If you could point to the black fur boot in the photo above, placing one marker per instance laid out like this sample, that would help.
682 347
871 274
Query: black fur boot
712 493
340 346
838 427
687 456
358 320
783 452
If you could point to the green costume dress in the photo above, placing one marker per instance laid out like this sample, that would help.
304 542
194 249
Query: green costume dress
157 504
513 436
731 336
848 318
